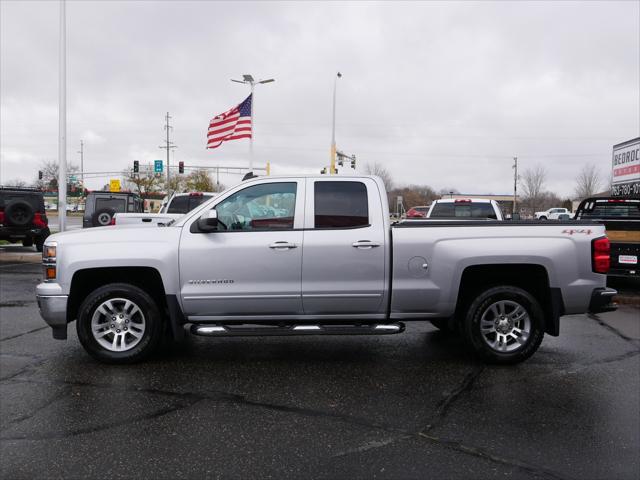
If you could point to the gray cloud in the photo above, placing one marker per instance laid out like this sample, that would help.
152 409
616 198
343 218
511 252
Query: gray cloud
443 93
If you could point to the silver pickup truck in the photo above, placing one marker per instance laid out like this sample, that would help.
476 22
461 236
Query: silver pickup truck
317 255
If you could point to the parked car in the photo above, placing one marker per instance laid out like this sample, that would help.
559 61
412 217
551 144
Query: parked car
100 207
417 212
317 255
552 214
23 217
172 208
465 209
621 218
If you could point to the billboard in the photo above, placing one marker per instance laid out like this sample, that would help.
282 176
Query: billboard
625 175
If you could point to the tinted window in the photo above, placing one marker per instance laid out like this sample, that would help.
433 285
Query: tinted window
617 209
341 205
116 204
179 205
195 200
463 210
270 206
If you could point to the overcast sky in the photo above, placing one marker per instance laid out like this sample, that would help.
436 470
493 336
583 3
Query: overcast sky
443 94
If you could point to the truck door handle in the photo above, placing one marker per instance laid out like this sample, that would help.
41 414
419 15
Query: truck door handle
146 219
282 245
365 244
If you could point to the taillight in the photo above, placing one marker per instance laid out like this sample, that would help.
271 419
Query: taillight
113 221
39 221
462 200
601 255
2 217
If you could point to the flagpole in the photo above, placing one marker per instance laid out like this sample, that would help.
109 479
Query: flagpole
62 122
253 127
248 79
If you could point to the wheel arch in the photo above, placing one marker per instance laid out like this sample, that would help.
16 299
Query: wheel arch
533 278
85 281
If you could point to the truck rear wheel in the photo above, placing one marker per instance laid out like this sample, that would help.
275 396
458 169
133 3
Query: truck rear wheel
504 325
119 323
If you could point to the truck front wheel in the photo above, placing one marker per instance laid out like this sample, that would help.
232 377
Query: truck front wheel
504 325
119 323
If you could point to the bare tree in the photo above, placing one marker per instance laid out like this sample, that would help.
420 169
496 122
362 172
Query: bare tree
379 170
50 169
533 181
16 182
588 182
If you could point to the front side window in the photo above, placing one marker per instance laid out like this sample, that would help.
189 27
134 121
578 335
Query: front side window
341 205
269 206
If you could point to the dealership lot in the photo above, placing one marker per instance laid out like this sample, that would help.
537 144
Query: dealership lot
409 405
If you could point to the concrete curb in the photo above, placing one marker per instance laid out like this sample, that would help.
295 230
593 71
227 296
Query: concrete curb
12 257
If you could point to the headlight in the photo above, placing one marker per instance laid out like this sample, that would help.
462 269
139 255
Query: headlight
49 262
49 252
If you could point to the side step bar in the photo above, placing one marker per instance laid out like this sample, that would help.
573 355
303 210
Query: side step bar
304 329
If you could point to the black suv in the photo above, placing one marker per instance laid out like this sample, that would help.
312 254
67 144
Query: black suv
22 216
100 207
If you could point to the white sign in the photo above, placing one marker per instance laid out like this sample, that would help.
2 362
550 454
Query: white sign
625 177
628 259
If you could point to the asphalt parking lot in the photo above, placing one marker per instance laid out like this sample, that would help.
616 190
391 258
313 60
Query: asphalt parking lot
414 405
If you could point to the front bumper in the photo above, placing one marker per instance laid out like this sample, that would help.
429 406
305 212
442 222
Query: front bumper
53 309
602 300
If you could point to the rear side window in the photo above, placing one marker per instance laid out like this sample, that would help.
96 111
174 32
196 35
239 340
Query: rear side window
463 210
341 205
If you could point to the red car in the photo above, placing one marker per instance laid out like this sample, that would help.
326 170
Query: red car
417 212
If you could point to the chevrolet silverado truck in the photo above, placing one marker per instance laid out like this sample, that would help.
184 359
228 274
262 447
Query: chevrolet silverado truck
318 256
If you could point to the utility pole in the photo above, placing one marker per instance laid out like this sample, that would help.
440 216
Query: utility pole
81 152
515 184
332 165
62 121
168 145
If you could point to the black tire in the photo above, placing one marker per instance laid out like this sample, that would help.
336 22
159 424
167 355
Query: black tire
18 213
542 218
154 323
482 304
27 242
102 217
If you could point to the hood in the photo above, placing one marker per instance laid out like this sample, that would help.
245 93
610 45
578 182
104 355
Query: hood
133 234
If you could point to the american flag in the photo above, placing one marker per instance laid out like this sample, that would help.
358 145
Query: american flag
231 125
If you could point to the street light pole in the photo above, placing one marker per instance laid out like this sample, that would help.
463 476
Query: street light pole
62 122
515 184
332 165
81 152
248 79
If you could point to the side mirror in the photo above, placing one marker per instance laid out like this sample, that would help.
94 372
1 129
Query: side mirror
208 221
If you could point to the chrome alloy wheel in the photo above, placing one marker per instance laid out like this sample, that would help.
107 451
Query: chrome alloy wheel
118 324
505 326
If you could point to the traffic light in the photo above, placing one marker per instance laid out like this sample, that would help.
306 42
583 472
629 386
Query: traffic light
136 166
39 174
353 162
180 167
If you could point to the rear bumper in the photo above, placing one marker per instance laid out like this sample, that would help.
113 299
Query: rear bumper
602 300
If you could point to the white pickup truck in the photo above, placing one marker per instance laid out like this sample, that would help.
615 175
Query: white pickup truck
172 209
317 255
